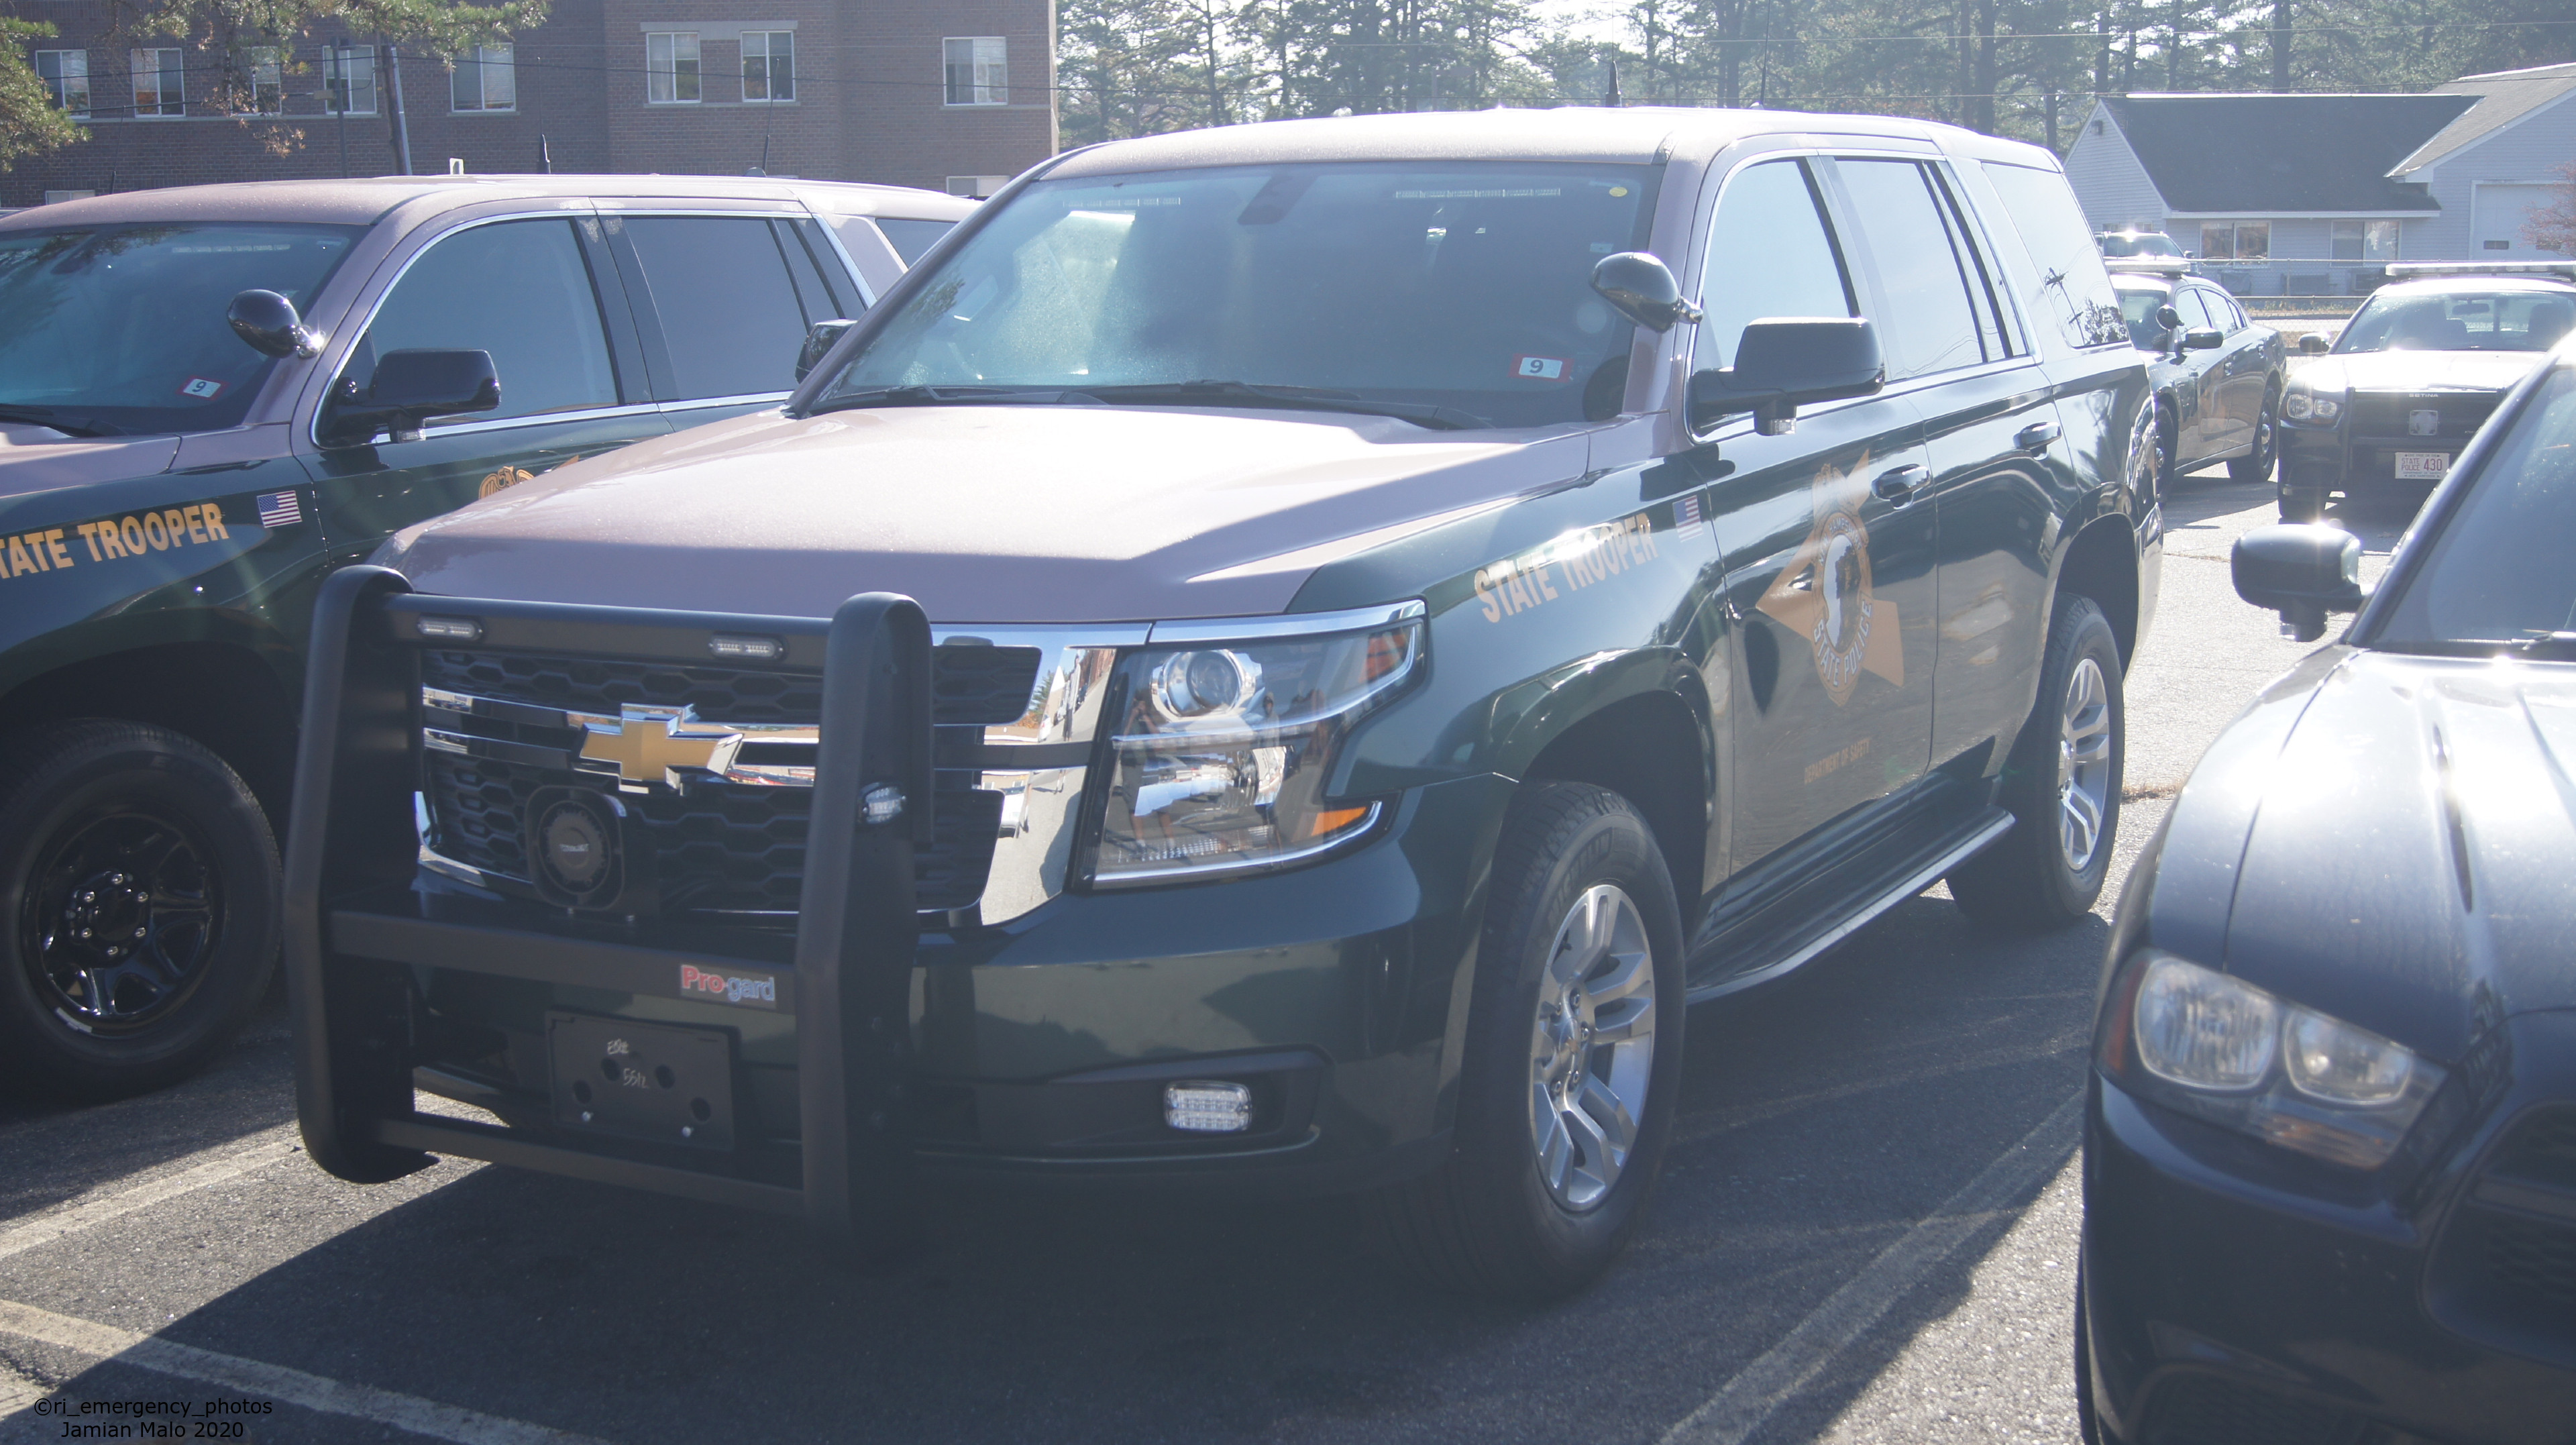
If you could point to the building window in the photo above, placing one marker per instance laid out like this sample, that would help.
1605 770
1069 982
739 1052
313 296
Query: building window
349 82
769 65
160 87
486 78
977 74
262 67
2365 241
671 68
66 77
2236 241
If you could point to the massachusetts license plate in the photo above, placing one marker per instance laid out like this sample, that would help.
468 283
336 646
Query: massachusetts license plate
642 1081
2422 466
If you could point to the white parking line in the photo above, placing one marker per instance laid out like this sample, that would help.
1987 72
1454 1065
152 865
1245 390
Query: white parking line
1741 1406
276 1382
229 1161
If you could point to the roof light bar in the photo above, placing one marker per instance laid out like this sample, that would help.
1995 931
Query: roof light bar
2413 270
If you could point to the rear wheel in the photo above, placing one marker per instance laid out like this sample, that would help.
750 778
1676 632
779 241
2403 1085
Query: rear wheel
1572 1055
2062 784
2256 465
139 903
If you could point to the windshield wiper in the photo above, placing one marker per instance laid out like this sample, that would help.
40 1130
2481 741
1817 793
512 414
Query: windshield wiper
950 396
1294 398
46 416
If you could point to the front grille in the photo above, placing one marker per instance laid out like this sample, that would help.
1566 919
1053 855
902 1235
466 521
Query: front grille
2504 1268
2532 1259
2388 415
719 846
2208 1410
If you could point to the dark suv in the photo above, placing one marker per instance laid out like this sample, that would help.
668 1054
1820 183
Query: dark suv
213 396
1283 655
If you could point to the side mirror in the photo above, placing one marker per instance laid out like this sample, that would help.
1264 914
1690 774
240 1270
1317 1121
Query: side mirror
2302 570
2313 344
2207 338
410 387
1782 363
2168 318
819 339
267 321
1642 288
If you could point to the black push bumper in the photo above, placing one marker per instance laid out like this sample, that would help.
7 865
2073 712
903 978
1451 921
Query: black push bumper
357 939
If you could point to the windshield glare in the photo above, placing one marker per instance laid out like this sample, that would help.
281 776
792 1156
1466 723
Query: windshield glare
2497 571
1461 285
121 330
2460 321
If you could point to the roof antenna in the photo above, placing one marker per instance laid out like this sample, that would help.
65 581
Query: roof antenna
1610 97
545 156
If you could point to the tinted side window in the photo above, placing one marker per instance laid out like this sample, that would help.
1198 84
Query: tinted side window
822 283
730 316
1986 293
517 289
2074 292
911 238
1929 325
1769 254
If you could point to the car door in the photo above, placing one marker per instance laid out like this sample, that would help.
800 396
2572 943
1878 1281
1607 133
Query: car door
722 302
539 294
1991 428
2219 431
1826 537
2244 367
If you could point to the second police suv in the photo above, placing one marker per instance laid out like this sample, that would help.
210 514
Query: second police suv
1285 655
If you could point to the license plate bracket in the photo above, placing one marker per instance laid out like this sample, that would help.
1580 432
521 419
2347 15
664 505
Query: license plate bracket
656 1082
2423 466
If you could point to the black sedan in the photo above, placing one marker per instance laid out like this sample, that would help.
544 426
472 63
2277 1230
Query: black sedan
2330 1141
2416 371
2218 377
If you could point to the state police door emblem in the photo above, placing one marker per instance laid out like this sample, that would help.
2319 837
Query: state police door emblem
1826 593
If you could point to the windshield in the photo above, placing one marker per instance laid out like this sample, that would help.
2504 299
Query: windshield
2460 321
1464 286
2154 243
2138 308
120 329
2497 571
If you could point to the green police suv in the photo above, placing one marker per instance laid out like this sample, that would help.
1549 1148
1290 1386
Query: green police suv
1284 655
212 396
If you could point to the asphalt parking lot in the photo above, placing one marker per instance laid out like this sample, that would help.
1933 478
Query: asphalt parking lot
1865 1232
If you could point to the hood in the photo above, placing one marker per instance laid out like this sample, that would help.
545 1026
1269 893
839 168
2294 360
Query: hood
2417 370
982 514
2406 867
40 459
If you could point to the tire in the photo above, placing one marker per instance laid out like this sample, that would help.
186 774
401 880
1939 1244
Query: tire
116 828
2256 465
2165 466
2062 785
1579 889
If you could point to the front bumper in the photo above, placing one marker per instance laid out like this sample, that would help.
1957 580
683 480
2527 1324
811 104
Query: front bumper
1041 1045
2238 1293
2357 453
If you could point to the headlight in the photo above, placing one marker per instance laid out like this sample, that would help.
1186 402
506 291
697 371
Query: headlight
2307 406
2222 1049
1221 752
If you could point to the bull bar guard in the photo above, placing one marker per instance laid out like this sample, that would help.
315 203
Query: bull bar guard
352 840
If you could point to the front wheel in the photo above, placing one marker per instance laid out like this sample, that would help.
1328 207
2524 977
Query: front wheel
1572 1060
139 908
2256 465
2062 784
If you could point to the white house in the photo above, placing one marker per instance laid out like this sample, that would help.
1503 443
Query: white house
2312 194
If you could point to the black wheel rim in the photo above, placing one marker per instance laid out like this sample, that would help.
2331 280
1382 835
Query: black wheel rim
122 914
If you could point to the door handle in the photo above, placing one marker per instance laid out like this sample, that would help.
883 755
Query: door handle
1897 483
2035 437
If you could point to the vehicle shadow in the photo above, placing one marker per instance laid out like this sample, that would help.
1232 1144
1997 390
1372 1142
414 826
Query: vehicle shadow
1821 1117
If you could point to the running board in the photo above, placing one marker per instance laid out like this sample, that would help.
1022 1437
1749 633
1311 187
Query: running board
1913 883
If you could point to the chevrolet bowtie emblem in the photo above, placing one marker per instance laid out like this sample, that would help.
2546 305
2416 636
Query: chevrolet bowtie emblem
647 743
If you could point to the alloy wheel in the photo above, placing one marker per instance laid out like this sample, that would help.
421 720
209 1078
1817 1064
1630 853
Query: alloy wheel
1592 1047
121 914
2083 763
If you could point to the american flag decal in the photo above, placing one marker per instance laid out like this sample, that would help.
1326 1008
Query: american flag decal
279 509
1686 512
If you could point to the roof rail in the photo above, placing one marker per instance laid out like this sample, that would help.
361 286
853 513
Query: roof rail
2418 270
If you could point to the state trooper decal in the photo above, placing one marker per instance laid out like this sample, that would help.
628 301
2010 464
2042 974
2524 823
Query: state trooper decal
1825 596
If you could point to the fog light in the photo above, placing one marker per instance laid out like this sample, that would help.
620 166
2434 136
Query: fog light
1208 1108
453 629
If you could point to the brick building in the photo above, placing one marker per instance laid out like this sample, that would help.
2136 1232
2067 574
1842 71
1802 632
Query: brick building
955 95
